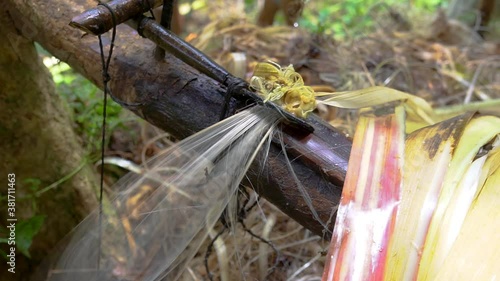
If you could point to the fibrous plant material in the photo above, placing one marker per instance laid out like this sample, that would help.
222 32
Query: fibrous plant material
159 219
418 110
284 87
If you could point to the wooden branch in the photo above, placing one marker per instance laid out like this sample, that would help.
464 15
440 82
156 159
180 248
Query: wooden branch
178 99
168 41
98 20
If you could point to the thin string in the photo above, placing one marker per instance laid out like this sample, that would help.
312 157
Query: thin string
166 14
233 86
105 79
166 22
146 6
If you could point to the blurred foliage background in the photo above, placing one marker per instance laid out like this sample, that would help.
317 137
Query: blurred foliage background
342 20
333 17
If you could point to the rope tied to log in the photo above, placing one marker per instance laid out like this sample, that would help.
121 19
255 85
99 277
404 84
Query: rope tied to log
234 86
146 6
106 77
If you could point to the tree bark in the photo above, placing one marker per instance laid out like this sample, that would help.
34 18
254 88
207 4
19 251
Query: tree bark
37 143
178 99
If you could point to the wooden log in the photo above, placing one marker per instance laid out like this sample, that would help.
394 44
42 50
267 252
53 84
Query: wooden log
98 20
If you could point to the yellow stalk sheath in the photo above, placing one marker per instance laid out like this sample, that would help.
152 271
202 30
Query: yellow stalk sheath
417 108
427 154
477 133
476 251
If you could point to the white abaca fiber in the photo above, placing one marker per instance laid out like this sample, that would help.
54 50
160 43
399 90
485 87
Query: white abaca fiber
159 219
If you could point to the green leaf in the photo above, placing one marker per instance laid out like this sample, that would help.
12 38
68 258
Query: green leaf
25 231
33 183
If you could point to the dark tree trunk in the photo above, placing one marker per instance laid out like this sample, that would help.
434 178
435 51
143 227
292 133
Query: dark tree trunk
37 143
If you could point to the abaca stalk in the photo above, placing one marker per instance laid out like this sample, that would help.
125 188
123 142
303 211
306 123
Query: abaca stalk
370 198
446 218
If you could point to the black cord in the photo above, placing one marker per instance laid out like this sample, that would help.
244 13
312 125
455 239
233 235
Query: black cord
242 212
165 21
269 243
105 79
234 87
166 14
146 6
